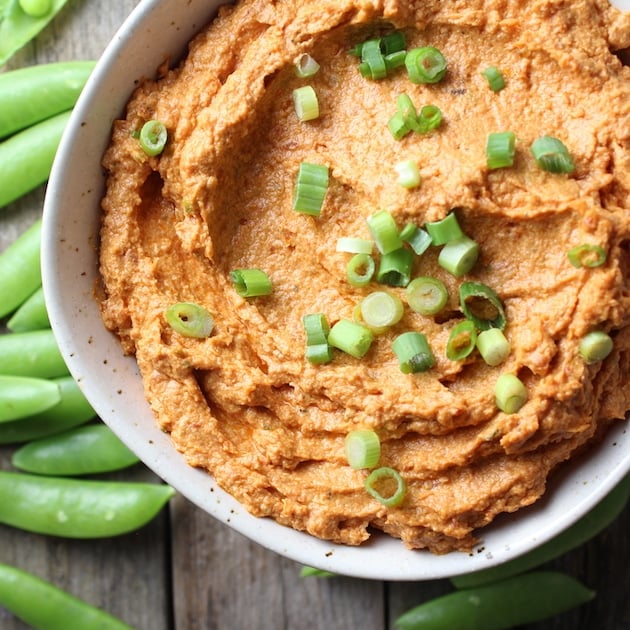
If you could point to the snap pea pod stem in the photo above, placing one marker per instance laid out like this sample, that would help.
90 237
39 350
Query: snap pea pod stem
600 517
27 157
512 602
83 450
20 274
34 353
44 606
72 410
78 508
31 315
32 94
22 396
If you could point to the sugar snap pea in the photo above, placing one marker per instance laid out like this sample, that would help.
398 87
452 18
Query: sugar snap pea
32 94
516 601
84 450
27 156
34 353
78 508
31 315
20 274
602 515
21 396
18 28
44 606
71 411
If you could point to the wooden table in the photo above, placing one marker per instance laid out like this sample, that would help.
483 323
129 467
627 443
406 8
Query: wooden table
185 571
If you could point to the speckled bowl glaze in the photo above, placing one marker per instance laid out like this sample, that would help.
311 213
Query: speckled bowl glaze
155 31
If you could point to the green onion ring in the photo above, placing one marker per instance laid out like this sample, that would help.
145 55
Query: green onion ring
387 475
481 305
190 320
586 255
461 341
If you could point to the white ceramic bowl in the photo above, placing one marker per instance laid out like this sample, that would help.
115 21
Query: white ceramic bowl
156 30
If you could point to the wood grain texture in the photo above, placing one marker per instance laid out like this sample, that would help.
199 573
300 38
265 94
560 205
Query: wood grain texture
186 571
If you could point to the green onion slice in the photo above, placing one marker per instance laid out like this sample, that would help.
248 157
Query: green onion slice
360 270
190 320
427 295
481 305
586 255
493 346
417 238
444 230
397 126
408 174
351 337
425 65
413 352
395 60
384 231
500 149
461 341
495 78
595 346
352 245
393 42
381 309
395 267
459 256
373 59
251 282
305 103
429 118
363 448
318 350
510 393
386 486
310 188
552 155
153 137
306 66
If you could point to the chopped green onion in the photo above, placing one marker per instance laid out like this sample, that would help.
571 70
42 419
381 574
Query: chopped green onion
406 107
587 255
595 346
306 66
552 155
445 230
384 231
495 78
500 149
393 42
380 310
360 270
426 295
307 571
372 58
459 256
481 305
394 268
510 393
429 118
316 327
408 174
493 346
352 245
425 65
190 320
395 60
397 126
417 238
363 448
251 282
310 188
413 352
306 103
351 337
153 137
380 484
461 341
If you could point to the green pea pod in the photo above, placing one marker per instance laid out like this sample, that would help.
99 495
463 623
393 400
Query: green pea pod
26 157
44 606
20 273
31 315
78 508
600 517
516 601
71 411
21 396
17 28
34 353
83 450
30 95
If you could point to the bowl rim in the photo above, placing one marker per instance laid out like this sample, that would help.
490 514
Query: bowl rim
69 271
